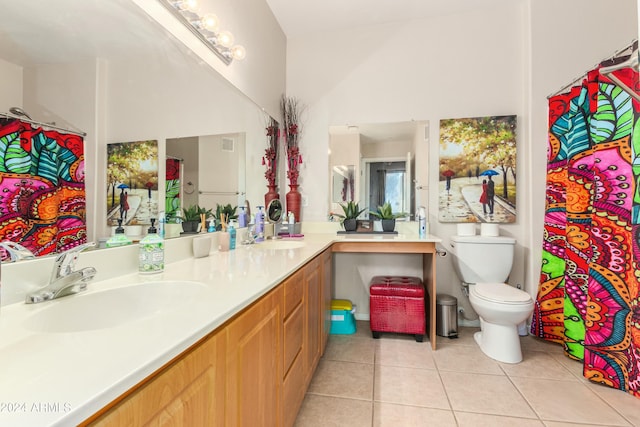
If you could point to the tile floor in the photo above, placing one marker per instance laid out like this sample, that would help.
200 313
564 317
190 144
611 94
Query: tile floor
397 382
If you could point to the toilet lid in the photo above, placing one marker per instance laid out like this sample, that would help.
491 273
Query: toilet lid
501 292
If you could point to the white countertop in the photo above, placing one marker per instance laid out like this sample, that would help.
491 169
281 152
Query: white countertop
62 378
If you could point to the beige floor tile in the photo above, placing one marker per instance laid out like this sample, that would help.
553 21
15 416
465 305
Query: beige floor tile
487 394
469 419
569 401
362 330
352 349
466 359
531 364
329 411
563 424
409 354
465 337
626 404
532 343
343 379
409 386
390 415
573 366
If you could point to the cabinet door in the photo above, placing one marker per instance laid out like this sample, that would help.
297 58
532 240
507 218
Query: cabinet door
189 392
325 298
254 364
311 346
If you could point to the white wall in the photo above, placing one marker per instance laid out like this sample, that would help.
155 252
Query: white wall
486 61
464 65
10 86
261 75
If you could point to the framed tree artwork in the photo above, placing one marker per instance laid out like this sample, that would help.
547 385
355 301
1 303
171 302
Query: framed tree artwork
132 182
478 170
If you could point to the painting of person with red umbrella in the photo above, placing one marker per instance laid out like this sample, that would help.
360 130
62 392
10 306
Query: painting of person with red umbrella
486 145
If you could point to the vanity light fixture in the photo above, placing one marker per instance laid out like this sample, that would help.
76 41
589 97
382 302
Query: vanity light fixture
206 28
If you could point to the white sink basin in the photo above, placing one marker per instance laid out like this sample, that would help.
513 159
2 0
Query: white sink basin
282 244
112 307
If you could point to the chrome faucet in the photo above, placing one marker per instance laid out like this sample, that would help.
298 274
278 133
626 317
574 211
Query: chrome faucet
16 251
64 279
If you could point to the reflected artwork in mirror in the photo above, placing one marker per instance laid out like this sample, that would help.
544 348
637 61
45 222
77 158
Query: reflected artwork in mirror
132 177
121 76
344 185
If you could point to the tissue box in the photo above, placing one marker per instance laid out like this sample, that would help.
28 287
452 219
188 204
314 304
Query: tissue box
342 320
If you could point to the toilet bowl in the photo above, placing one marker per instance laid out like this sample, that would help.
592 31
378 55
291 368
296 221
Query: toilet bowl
501 309
483 263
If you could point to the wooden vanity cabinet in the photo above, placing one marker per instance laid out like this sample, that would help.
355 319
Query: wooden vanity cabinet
252 371
254 364
179 394
293 386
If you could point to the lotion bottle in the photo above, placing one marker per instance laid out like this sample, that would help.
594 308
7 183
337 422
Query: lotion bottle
119 238
242 217
422 222
259 221
151 252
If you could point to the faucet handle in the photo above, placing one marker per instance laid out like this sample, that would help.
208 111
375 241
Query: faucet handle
16 251
65 261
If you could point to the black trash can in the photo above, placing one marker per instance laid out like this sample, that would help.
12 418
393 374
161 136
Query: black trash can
446 316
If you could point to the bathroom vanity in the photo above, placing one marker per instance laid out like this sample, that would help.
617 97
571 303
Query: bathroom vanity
231 339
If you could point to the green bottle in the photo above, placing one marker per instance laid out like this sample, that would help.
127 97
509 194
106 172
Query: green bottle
151 252
119 238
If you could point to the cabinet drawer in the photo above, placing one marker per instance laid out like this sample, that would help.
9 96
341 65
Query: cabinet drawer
293 391
293 291
293 328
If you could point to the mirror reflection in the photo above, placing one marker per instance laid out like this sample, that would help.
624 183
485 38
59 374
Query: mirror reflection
343 181
119 76
211 172
381 157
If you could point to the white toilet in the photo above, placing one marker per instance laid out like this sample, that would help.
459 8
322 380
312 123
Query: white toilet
484 263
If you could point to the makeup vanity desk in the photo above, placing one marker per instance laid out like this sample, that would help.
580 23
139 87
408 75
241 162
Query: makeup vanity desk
399 244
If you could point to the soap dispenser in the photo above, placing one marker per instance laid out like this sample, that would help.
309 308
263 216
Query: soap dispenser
242 217
119 238
151 252
259 222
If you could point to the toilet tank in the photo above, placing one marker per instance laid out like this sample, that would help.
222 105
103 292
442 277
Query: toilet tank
482 258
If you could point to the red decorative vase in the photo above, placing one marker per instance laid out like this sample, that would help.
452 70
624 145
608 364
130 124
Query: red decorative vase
270 195
294 201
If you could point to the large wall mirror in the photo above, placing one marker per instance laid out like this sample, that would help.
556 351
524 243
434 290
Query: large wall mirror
381 158
109 70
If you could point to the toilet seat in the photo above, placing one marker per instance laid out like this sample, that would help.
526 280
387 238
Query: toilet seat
500 293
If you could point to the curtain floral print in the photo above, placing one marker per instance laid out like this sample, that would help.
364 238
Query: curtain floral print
588 294
42 190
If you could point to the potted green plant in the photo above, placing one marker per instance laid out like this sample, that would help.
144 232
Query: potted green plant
191 219
229 213
387 217
351 213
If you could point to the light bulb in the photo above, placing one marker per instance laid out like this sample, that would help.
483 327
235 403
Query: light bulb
225 39
210 22
190 5
238 52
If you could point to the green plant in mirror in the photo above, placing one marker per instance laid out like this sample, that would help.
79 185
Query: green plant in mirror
385 212
194 212
228 211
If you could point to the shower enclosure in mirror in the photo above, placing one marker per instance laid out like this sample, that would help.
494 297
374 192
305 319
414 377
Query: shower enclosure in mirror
127 79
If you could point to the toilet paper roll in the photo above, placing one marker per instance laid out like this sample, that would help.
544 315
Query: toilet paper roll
466 229
487 229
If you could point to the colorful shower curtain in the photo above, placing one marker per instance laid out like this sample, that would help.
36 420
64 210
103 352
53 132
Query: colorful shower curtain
172 194
42 190
588 294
